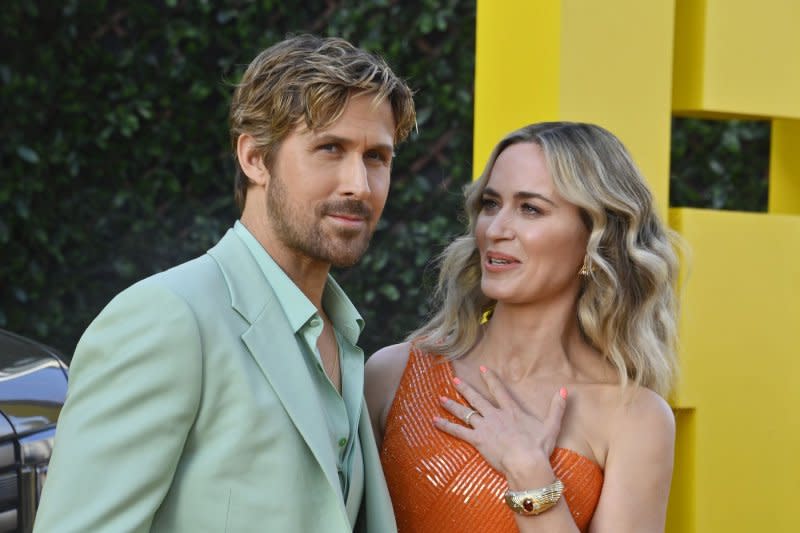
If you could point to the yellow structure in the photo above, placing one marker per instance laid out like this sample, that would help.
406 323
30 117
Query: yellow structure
630 65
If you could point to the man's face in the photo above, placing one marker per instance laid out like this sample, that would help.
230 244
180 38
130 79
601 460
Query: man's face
327 188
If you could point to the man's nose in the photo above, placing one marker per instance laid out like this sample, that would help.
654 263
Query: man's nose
354 179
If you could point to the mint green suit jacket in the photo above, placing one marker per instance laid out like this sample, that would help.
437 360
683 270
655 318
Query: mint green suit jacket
190 408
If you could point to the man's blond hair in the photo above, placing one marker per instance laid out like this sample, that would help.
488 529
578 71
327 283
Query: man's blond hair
309 79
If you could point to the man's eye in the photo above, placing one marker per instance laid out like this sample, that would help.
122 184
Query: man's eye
330 147
377 156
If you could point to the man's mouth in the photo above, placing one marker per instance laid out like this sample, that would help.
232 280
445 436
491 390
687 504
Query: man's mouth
352 213
348 209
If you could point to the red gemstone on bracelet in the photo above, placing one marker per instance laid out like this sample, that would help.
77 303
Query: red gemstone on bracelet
527 504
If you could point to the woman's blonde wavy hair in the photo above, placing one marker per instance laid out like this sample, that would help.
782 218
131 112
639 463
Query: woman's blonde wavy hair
627 308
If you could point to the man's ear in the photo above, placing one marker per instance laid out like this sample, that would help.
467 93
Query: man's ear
251 159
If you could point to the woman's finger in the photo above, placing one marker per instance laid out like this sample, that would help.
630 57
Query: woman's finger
498 389
465 413
556 413
473 397
457 430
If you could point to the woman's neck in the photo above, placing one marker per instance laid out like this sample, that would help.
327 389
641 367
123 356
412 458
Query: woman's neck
520 342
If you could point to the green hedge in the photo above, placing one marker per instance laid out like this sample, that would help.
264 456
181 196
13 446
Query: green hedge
115 161
720 164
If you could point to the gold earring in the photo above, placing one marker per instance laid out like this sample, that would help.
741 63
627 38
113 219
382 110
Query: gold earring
585 268
486 315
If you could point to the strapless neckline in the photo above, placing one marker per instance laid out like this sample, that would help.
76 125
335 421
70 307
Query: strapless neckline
452 374
438 483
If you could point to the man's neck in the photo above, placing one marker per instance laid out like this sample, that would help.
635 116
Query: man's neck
310 275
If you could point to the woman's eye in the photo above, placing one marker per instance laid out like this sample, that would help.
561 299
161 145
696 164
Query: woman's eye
530 209
488 203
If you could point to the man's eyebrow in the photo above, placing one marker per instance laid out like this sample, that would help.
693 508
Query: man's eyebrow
328 137
331 138
522 195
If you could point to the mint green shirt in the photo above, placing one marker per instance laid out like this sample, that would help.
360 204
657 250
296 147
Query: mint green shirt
341 411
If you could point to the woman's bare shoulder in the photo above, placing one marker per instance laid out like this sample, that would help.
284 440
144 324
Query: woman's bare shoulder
646 408
388 362
382 375
644 427
638 470
606 417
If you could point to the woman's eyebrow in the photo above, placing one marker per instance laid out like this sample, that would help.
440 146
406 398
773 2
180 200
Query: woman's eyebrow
521 195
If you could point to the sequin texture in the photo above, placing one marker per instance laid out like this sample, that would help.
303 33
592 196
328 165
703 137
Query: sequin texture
440 484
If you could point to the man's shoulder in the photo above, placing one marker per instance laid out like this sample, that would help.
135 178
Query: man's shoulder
199 273
192 273
182 278
187 282
197 279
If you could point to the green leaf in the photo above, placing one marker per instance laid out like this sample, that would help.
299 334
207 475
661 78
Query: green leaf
28 154
390 292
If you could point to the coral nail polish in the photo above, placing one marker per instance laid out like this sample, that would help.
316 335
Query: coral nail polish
457 381
563 392
483 369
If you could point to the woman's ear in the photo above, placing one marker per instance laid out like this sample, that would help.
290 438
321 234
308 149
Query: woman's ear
251 159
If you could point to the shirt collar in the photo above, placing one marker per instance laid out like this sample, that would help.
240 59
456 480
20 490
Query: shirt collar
296 306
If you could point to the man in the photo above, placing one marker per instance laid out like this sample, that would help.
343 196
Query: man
225 394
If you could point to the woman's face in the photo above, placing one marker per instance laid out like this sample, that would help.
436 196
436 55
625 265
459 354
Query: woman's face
531 241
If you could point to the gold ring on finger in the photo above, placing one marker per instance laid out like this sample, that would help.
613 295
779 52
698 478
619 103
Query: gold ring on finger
469 415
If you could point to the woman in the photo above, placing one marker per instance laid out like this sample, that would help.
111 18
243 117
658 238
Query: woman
533 398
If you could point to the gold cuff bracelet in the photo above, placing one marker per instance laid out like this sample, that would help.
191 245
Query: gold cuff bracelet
533 502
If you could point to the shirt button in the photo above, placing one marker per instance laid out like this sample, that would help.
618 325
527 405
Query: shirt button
342 442
314 322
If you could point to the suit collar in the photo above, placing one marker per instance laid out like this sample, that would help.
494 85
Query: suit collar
297 307
271 342
248 289
376 513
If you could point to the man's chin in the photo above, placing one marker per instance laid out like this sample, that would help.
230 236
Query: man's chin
347 260
347 254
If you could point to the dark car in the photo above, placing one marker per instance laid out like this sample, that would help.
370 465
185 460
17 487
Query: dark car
33 385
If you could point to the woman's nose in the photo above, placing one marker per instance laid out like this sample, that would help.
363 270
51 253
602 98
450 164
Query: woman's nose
500 226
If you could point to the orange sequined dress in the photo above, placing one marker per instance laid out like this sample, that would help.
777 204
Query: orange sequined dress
440 484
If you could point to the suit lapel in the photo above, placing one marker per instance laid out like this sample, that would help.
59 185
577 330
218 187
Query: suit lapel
271 342
378 513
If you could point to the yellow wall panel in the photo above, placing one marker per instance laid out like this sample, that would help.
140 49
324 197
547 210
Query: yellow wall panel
681 513
516 69
606 62
616 71
629 65
741 312
784 167
688 54
738 57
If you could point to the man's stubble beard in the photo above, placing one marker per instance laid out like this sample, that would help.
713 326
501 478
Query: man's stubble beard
300 228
